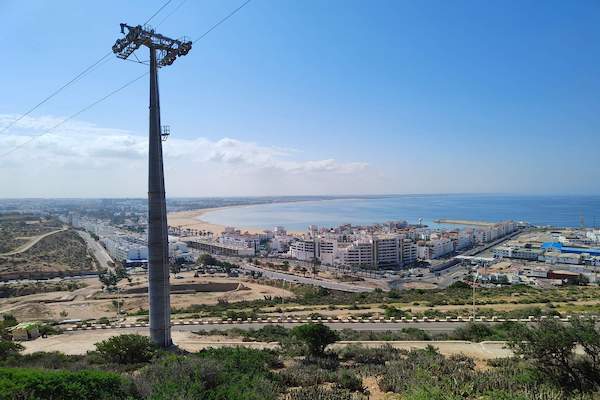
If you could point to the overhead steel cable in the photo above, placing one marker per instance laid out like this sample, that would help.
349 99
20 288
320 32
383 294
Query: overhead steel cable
77 77
62 122
231 14
157 12
171 13
116 90
57 91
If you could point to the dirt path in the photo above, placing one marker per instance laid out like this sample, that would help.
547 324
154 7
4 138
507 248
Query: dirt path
33 240
79 342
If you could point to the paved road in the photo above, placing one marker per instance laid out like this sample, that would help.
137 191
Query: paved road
99 252
430 327
307 281
32 242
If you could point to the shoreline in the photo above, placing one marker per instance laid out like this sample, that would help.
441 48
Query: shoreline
192 219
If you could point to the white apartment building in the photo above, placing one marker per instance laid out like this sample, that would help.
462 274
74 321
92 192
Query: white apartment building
556 257
593 235
358 254
121 249
279 231
408 251
386 251
214 247
433 249
489 233
326 250
303 249
517 252
239 240
463 240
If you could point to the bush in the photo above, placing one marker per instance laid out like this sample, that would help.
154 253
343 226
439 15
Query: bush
306 375
43 360
319 393
393 312
8 348
347 379
212 374
369 355
178 377
550 346
316 337
23 383
126 349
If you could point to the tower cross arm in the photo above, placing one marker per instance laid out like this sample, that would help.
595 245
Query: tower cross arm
137 36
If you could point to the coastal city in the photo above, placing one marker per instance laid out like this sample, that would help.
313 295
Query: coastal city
383 255
300 200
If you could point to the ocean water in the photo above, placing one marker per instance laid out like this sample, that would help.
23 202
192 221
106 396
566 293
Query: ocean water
559 211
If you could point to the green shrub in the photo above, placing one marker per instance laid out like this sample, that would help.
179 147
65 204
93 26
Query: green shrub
306 375
347 379
34 384
46 360
126 349
316 337
319 393
212 374
178 377
369 355
8 348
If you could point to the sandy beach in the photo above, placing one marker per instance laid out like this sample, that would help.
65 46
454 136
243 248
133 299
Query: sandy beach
193 219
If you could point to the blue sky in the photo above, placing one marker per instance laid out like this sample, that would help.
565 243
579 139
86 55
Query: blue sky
311 97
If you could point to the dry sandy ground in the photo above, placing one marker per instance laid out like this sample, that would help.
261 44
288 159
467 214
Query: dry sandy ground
191 219
80 342
91 303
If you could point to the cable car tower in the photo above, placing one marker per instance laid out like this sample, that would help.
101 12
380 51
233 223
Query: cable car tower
163 52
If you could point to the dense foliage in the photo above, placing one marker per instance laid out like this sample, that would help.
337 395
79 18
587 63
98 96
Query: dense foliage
33 384
545 367
316 337
214 374
126 349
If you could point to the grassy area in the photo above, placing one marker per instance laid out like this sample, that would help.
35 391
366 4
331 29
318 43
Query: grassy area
130 367
14 228
474 332
24 289
517 301
63 251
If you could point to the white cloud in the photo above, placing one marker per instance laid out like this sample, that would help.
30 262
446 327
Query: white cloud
86 152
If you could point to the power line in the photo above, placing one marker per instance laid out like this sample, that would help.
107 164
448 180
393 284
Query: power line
83 73
231 14
75 114
157 11
118 89
171 13
60 89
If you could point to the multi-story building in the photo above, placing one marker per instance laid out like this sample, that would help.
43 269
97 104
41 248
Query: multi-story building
408 251
386 251
215 247
523 253
556 257
122 248
303 249
240 240
326 250
432 249
358 254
